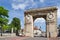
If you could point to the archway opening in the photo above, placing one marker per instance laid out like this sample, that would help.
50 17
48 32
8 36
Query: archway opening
39 27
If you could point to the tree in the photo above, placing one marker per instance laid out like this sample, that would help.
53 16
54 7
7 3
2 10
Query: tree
6 27
3 17
58 30
59 26
16 23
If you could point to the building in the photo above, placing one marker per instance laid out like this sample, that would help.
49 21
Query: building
37 31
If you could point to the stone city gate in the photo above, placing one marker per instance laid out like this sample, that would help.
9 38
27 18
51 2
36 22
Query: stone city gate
48 13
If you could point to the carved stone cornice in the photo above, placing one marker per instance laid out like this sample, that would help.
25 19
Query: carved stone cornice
41 10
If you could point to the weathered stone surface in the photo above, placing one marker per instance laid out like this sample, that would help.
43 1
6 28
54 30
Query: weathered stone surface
49 14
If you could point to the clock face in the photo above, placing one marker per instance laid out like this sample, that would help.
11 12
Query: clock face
50 16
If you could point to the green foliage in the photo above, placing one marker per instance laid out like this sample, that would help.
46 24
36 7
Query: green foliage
3 12
5 27
3 17
16 23
3 21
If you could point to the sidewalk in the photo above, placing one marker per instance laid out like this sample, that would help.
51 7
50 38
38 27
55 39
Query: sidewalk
13 38
7 35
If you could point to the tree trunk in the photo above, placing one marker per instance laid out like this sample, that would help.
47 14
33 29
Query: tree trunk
1 30
17 33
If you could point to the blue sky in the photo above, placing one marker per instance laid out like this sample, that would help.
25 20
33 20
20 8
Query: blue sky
17 7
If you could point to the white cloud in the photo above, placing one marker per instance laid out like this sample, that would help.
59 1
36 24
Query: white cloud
42 1
22 4
58 12
19 6
40 20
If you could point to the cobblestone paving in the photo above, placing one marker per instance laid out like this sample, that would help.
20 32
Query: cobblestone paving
59 38
13 38
41 38
17 38
28 38
36 38
53 39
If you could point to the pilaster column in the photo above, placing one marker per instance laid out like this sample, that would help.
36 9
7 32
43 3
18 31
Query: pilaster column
29 25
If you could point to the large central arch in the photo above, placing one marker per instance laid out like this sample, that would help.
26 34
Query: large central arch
49 14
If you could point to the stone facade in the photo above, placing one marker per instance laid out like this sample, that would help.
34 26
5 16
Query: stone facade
49 14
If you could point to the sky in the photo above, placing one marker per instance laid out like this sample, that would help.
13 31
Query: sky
17 7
